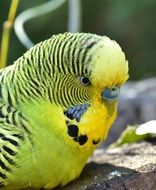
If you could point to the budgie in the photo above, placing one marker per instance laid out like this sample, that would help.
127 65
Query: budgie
57 103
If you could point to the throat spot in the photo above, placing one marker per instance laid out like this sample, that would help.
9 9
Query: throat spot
73 131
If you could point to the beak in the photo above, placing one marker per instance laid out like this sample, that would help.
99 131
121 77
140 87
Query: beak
110 98
110 94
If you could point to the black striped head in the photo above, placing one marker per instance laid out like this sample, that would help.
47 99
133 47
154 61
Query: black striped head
83 65
72 69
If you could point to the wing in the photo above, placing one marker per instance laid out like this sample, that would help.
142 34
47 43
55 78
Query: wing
12 133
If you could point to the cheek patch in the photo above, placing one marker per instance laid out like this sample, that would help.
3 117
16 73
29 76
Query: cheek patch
76 112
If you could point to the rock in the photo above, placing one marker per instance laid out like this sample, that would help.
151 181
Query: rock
130 167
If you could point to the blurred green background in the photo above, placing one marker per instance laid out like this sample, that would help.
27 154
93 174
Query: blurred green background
131 23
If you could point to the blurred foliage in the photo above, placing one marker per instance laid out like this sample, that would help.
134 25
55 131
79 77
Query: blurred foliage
129 136
131 23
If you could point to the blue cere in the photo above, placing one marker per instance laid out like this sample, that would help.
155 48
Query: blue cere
111 93
76 112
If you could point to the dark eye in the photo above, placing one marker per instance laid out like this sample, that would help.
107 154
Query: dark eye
85 81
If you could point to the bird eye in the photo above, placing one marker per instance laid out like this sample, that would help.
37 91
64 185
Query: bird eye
85 81
111 93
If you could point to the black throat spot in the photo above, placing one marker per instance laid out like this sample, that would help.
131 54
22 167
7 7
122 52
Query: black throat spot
73 131
82 139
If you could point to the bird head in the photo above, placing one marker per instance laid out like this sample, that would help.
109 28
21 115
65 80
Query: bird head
82 74
95 68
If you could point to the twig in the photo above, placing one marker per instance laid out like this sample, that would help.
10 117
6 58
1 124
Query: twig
74 15
30 14
7 26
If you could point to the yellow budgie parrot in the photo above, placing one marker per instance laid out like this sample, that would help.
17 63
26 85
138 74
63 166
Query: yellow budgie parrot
57 103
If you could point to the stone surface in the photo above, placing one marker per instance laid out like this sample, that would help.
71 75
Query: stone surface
130 167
